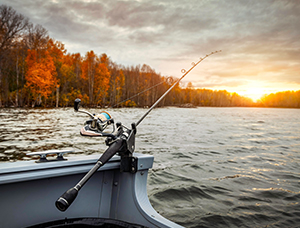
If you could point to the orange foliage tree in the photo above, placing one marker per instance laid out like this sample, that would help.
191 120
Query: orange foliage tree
95 75
101 84
40 76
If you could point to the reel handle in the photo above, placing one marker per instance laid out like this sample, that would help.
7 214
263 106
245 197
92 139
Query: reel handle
76 104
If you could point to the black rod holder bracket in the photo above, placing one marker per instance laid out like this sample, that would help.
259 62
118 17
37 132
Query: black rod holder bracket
129 164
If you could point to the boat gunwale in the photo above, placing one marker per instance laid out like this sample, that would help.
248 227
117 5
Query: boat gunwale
30 170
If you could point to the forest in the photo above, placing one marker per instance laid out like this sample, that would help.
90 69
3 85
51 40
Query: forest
37 71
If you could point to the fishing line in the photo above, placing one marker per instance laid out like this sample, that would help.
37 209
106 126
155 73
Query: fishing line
184 74
140 92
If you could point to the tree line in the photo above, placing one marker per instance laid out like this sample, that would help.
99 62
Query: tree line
36 70
286 99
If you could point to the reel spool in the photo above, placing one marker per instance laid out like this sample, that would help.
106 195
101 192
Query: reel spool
103 120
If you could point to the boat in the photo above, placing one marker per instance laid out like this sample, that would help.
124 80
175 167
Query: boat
114 192
29 189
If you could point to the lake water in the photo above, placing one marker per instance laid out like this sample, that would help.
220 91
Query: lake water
213 167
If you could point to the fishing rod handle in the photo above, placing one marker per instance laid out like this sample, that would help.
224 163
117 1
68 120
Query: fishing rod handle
66 199
108 154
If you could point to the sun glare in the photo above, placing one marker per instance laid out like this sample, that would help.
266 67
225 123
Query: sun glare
255 93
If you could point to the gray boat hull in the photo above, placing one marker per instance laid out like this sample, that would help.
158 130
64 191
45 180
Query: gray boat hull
28 192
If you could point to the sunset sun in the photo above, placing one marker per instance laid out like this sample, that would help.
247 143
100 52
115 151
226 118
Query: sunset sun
255 93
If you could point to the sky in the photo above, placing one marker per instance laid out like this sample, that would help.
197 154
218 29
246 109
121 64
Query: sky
259 39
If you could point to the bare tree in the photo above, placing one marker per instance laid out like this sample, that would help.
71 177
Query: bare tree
37 37
12 27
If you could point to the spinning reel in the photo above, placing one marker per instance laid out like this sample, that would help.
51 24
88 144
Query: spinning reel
97 125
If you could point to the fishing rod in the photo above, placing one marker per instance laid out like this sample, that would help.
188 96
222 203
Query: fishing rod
121 141
165 94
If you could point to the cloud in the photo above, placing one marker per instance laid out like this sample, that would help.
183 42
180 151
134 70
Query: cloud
259 40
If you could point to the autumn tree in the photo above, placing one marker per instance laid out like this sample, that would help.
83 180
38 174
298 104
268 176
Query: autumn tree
102 79
64 70
41 75
96 76
77 65
188 93
88 73
132 83
19 57
116 84
101 84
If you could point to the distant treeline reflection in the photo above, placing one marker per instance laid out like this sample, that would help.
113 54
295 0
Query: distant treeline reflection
36 70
